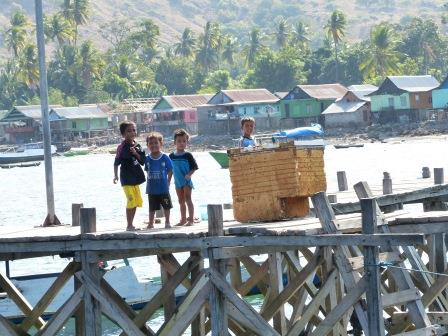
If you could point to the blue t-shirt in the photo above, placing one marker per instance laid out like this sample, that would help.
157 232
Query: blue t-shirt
182 165
158 169
247 142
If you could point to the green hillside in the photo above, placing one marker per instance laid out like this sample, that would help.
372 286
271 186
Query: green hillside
238 16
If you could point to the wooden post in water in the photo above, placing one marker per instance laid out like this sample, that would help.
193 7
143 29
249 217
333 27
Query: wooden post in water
438 176
387 184
169 306
426 173
342 180
371 270
92 308
217 301
76 207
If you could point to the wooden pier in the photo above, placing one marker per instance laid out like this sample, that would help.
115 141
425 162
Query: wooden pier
363 266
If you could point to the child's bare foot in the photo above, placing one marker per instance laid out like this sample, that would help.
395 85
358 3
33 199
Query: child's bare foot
189 223
150 226
167 226
181 223
131 228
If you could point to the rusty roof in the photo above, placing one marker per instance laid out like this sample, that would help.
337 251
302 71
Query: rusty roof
324 91
178 102
250 95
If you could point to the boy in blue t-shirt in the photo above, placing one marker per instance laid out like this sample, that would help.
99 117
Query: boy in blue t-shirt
160 170
184 165
247 127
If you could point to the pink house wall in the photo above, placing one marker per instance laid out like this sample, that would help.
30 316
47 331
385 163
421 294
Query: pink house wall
190 116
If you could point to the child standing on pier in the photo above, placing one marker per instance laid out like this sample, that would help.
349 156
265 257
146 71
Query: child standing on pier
130 157
184 165
160 170
247 127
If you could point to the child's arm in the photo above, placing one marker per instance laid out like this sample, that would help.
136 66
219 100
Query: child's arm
193 166
115 174
170 175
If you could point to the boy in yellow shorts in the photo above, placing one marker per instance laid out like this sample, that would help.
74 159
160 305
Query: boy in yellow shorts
130 157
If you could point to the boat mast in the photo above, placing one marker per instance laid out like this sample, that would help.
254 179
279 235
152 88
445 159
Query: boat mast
51 218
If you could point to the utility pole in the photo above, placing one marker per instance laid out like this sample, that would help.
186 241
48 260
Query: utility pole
51 218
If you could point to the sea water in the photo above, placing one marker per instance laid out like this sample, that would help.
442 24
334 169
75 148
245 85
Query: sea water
88 180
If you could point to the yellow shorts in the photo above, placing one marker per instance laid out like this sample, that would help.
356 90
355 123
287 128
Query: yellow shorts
133 196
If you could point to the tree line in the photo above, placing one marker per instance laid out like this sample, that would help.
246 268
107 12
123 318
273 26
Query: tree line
136 64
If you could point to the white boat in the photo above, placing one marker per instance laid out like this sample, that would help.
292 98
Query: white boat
25 153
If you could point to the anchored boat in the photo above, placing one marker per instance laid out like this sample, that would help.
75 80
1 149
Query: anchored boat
25 153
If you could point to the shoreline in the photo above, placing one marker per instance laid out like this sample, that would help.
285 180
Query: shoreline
371 134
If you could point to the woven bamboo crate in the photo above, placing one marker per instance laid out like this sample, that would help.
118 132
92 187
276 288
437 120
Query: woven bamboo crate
273 184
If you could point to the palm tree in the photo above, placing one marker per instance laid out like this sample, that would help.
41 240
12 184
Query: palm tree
187 44
254 47
209 43
77 12
146 38
16 35
282 32
29 67
59 28
335 28
229 49
91 64
300 34
63 70
383 58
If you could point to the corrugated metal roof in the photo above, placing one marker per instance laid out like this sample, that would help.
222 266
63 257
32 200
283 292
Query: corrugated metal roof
186 101
324 91
80 112
32 111
281 95
344 107
361 91
250 95
3 113
415 83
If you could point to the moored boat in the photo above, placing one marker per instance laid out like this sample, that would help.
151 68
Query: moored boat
25 153
221 157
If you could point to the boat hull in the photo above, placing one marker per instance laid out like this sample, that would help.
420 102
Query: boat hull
20 159
222 158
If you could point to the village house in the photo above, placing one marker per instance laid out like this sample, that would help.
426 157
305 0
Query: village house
138 110
222 113
403 99
440 100
178 111
3 126
23 124
83 121
304 104
352 110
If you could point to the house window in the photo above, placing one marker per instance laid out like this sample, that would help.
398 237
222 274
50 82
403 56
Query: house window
256 109
403 100
244 110
391 102
308 108
417 98
286 110
74 124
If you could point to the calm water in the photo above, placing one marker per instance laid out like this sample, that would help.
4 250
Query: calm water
88 180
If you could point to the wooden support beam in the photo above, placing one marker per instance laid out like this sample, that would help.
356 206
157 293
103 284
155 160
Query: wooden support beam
371 270
344 306
9 329
342 253
108 306
169 305
188 309
198 324
217 300
158 299
263 328
64 312
275 288
92 308
16 296
401 277
51 293
257 279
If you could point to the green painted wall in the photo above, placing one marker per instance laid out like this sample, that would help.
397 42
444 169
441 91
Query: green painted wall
163 105
384 102
303 108
87 124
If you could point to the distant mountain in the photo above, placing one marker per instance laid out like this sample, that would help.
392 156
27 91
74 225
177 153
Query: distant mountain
238 16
